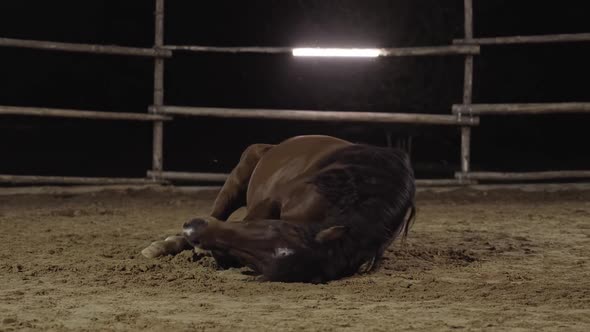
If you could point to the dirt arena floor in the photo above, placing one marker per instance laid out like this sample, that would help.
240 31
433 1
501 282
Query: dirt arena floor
475 260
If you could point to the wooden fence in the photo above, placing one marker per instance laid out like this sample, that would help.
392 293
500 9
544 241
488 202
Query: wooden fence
464 116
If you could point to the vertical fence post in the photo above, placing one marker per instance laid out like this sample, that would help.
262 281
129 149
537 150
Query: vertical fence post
467 89
158 130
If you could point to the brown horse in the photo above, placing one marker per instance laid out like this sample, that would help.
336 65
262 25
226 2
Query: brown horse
318 208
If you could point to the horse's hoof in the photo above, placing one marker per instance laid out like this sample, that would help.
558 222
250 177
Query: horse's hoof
174 238
367 266
199 254
156 249
202 252
171 246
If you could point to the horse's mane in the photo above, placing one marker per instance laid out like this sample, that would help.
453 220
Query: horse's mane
370 190
361 175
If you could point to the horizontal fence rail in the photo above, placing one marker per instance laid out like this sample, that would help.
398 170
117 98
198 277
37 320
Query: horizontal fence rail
398 51
531 108
30 179
79 114
84 48
221 177
188 176
539 39
443 182
521 176
429 51
277 114
216 49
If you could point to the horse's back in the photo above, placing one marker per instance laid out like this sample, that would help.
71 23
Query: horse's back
299 154
292 159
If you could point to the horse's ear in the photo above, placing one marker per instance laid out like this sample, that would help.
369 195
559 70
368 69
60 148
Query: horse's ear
330 234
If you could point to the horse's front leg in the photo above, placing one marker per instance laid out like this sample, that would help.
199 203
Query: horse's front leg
232 195
172 245
239 243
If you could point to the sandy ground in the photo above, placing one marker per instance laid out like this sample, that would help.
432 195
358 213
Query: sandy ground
475 260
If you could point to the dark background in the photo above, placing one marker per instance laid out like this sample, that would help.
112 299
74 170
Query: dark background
503 74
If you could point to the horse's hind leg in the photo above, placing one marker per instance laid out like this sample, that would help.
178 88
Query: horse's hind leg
233 193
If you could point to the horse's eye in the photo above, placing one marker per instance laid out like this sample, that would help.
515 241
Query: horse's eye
283 252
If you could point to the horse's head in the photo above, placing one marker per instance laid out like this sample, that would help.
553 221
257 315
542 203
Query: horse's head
279 250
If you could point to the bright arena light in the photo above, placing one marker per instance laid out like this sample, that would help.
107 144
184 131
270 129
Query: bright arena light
338 52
